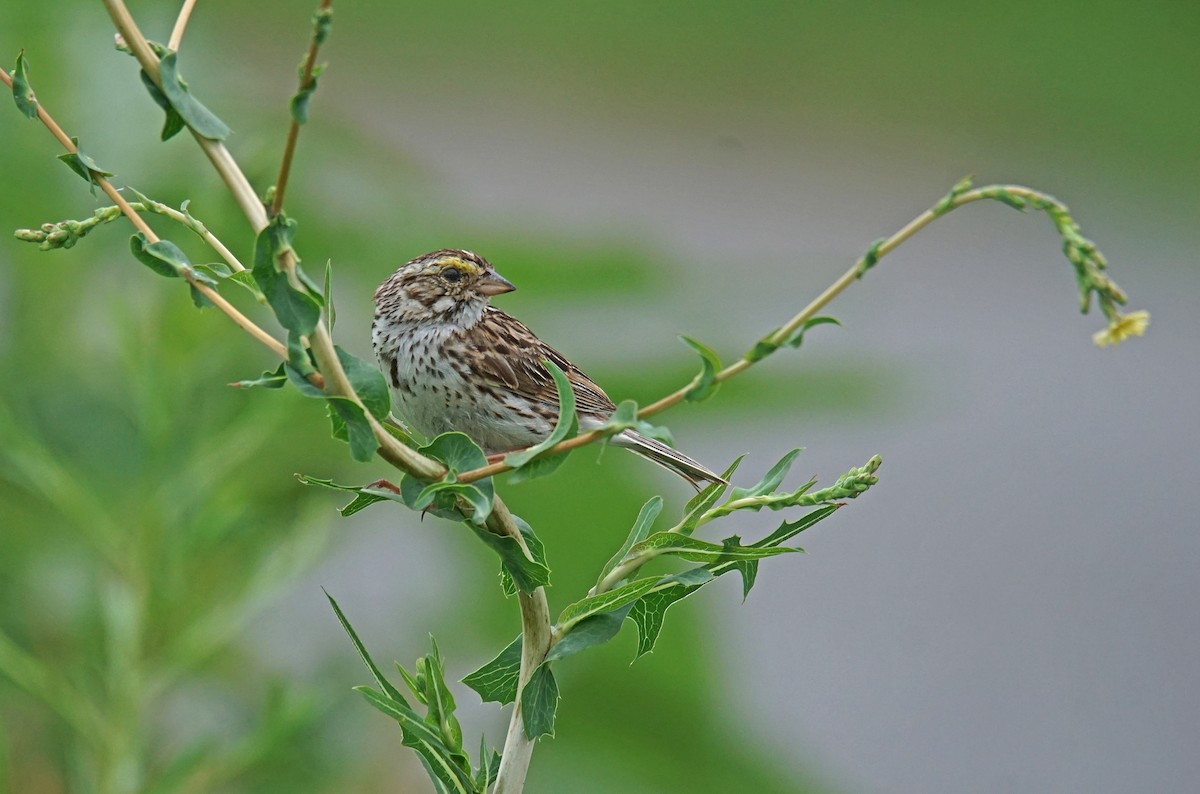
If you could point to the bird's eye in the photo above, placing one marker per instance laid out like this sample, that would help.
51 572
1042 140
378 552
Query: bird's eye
452 274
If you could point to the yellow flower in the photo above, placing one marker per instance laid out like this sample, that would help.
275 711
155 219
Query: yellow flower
1123 327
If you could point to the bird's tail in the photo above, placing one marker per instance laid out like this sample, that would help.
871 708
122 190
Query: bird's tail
692 471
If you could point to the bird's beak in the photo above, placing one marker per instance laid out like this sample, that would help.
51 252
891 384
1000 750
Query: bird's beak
493 283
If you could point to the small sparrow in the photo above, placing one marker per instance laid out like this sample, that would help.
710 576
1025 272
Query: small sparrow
454 362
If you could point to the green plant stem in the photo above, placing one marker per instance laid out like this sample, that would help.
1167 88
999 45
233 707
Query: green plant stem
535 616
536 637
140 224
1036 199
289 147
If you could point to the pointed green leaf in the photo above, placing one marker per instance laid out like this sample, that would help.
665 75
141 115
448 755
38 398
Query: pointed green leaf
366 495
384 684
696 550
489 766
497 680
193 112
647 614
539 702
748 569
441 705
163 257
699 504
770 480
22 91
173 123
86 167
537 551
268 380
797 336
590 631
350 425
566 426
704 385
607 601
527 575
327 293
790 529
641 528
368 383
435 756
298 310
625 417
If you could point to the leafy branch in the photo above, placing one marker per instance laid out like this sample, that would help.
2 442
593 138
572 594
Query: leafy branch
1085 258
451 477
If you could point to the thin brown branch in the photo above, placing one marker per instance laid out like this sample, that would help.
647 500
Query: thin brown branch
289 147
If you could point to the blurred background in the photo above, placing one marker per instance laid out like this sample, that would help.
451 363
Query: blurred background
1013 607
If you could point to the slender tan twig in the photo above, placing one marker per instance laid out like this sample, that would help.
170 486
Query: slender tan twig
181 21
218 155
289 148
780 336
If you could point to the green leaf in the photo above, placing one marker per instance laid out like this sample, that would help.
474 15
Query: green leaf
298 366
539 702
489 766
704 385
648 611
270 379
696 550
22 91
699 504
536 550
647 614
589 632
190 109
173 123
87 168
365 495
441 704
625 417
497 680
526 574
384 684
748 569
770 480
163 257
790 529
798 335
298 310
641 528
437 759
300 100
368 383
350 425
199 299
458 453
566 426
607 601
327 294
